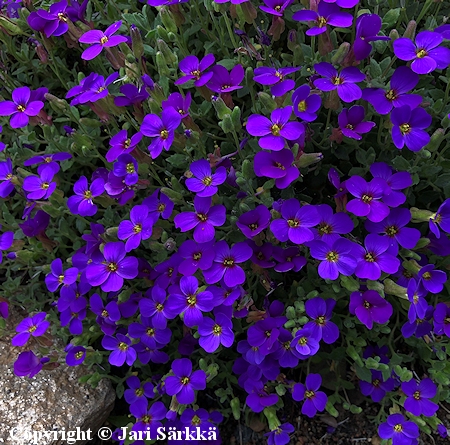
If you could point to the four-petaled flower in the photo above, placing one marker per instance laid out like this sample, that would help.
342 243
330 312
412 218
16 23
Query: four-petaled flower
21 107
314 400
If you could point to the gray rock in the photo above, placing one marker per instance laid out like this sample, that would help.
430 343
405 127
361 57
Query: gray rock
53 400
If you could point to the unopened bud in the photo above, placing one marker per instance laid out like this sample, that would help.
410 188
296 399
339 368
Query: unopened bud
169 55
341 53
423 242
219 105
436 138
247 12
410 31
271 416
10 26
56 103
162 33
392 288
161 63
168 20
418 215
394 35
136 42
307 159
267 101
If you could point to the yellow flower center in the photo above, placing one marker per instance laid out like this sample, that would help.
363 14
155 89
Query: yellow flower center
112 267
103 40
405 128
293 223
302 106
45 185
391 95
192 300
127 143
398 428
130 168
217 330
202 217
421 54
78 355
60 279
325 228
337 80
139 392
161 207
280 166
150 332
367 305
320 320
332 256
366 199
185 380
137 228
391 231
164 134
87 194
195 73
207 180
196 420
48 159
159 307
321 22
309 394
123 346
20 108
62 17
275 129
31 329
426 276
105 313
369 258
302 341
228 262
253 226
197 256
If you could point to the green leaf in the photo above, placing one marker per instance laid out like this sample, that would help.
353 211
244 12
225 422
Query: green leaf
178 160
390 18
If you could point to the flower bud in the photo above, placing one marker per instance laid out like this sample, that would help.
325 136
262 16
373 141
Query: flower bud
392 288
277 28
171 57
418 215
410 30
249 74
173 195
338 57
162 33
307 159
236 408
56 103
267 101
436 138
394 35
161 64
247 169
236 118
271 416
423 242
136 42
168 20
10 26
219 105
227 124
246 12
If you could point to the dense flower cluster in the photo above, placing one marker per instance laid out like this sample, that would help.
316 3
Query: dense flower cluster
214 244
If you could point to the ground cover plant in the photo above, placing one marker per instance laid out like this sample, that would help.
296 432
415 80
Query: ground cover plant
222 206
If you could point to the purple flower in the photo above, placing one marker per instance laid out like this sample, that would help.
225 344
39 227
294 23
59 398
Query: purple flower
159 207
122 144
432 280
443 432
276 165
138 391
367 28
258 397
37 225
121 350
147 419
266 75
95 90
344 3
81 203
280 435
57 276
226 264
40 187
417 397
21 107
393 227
425 54
306 105
190 302
402 81
138 229
344 83
214 333
126 167
162 130
255 221
327 14
331 224
148 334
408 127
195 69
31 326
276 7
75 355
441 218
442 319
6 241
112 271
101 40
306 343
368 198
204 219
156 307
377 388
401 432
179 103
196 256
49 159
132 95
275 131
288 259
27 364
314 400
351 122
204 183
106 315
223 81
394 181
336 258
185 381
52 22
375 258
6 176
295 223
320 311
370 307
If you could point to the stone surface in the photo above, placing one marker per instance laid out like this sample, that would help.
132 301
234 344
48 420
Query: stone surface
52 400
